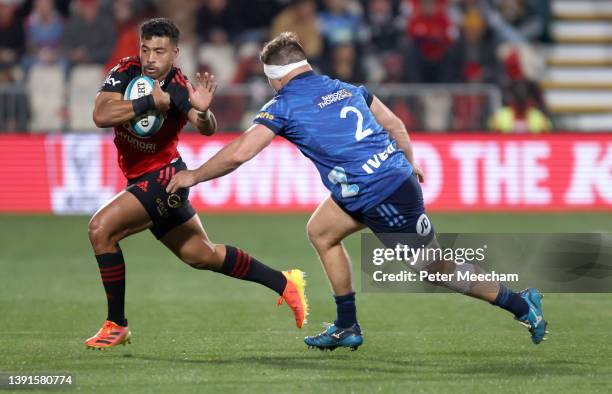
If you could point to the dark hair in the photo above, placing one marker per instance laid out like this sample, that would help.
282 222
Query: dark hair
160 27
284 49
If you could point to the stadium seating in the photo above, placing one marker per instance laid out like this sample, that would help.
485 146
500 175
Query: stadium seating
84 82
579 81
46 88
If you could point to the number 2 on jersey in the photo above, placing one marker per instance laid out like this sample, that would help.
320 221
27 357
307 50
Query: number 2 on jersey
360 133
338 175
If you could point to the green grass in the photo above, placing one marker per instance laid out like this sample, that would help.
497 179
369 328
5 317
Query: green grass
197 331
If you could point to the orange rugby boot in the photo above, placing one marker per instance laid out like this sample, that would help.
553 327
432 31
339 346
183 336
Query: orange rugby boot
111 334
294 295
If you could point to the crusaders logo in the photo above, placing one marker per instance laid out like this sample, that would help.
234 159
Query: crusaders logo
174 201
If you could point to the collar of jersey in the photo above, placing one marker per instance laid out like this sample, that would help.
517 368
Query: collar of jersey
168 78
299 76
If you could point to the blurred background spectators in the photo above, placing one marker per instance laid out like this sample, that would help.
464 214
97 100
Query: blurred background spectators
442 65
89 36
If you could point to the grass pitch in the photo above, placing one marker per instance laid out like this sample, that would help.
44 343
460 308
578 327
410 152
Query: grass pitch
196 331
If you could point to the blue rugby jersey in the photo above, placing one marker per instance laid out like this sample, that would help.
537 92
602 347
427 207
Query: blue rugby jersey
331 123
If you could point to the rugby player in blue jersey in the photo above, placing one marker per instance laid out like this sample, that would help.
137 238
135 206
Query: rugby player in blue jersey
364 156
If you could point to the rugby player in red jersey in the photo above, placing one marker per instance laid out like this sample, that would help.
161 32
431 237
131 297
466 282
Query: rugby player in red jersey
149 164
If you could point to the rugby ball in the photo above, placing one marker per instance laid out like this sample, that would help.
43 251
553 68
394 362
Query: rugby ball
148 124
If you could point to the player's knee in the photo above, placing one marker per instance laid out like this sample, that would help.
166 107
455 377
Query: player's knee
99 235
318 237
313 232
94 230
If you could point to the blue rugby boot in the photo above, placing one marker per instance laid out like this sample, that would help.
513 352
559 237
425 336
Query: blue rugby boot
534 319
334 337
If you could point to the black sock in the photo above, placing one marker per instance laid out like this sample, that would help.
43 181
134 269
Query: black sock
511 301
238 264
346 310
112 270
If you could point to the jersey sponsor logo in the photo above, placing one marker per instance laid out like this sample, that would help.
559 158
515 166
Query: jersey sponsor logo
333 98
376 160
146 147
111 81
265 115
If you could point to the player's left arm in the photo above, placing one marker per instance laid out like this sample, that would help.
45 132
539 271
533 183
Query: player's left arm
200 97
397 130
232 156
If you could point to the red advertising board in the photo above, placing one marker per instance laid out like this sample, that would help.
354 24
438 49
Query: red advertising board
77 173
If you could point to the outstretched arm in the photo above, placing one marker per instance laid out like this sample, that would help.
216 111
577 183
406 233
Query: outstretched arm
232 156
396 128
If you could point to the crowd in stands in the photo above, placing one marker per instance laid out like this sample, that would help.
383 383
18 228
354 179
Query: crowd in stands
366 41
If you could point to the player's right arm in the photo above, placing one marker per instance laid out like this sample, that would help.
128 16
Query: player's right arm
397 130
110 109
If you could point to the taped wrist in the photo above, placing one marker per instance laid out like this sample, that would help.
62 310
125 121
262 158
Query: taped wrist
204 116
143 105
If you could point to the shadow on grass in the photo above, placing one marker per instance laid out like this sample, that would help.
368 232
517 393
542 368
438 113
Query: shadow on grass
432 366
